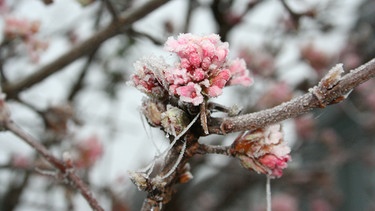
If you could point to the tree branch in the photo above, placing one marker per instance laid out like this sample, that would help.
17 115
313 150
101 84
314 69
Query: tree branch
92 43
66 171
296 106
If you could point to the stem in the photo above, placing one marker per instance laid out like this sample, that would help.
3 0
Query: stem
268 193
211 149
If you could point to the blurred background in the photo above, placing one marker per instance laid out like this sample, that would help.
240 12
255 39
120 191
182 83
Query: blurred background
85 108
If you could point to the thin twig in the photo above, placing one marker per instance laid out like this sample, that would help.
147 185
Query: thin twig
78 84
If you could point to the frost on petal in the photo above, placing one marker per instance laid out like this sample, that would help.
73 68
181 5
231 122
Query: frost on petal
240 75
198 75
191 93
149 77
199 51
217 83
214 91
262 150
273 134
176 76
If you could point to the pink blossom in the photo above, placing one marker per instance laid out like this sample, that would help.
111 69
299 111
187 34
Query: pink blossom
21 161
190 93
263 150
176 76
240 75
218 82
203 70
274 163
90 150
149 77
20 28
3 6
196 49
25 30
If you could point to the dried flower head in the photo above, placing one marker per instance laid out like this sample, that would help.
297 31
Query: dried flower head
262 150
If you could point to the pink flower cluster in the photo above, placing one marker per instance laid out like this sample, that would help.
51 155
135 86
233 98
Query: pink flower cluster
89 151
263 150
25 30
20 28
202 72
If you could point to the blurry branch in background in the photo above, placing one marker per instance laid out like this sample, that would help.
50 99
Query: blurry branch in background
114 28
111 9
296 16
79 83
226 18
65 170
318 97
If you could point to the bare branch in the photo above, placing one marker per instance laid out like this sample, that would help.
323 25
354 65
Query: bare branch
296 106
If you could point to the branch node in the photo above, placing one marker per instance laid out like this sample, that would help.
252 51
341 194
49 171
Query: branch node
331 79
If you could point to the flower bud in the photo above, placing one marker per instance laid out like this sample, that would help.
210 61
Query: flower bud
174 120
262 150
152 110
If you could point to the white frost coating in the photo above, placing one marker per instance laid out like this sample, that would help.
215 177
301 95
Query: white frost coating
332 77
180 156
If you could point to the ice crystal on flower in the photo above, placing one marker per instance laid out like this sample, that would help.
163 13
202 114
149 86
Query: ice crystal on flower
190 93
263 150
149 77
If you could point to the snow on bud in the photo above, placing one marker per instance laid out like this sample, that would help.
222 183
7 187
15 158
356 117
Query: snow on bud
263 150
149 77
332 77
139 179
174 120
152 110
